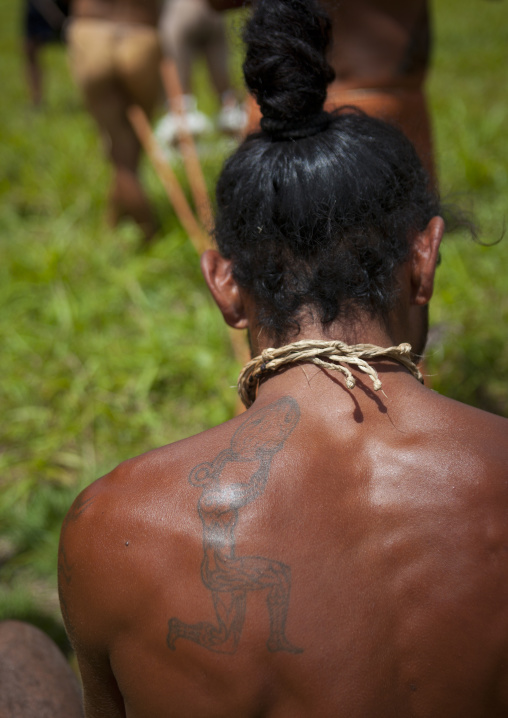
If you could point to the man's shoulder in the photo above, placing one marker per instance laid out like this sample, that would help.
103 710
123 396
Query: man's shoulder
459 450
125 524
169 464
462 440
143 478
481 429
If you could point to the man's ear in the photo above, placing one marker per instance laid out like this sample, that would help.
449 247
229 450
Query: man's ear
425 255
218 275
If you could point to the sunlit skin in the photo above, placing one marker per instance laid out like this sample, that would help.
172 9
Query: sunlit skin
388 509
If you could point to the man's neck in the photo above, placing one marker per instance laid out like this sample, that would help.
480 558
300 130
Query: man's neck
362 331
304 377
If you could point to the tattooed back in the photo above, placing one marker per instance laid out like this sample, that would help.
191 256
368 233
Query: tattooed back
329 552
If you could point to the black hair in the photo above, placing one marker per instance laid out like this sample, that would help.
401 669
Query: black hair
316 210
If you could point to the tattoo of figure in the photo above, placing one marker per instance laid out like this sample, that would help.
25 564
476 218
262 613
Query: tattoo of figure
230 577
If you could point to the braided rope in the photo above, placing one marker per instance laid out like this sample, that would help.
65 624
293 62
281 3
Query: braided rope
328 355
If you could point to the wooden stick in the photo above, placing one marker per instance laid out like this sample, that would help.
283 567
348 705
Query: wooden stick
190 156
199 238
141 125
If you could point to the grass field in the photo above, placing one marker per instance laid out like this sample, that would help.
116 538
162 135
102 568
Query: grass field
108 351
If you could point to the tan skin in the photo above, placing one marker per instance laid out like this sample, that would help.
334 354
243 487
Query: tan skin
380 54
372 40
145 12
327 553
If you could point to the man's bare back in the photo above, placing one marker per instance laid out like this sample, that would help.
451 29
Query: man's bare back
390 524
334 551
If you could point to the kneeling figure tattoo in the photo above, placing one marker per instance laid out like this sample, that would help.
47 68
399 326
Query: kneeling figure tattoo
230 577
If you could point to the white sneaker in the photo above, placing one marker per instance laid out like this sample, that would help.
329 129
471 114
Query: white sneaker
169 127
232 119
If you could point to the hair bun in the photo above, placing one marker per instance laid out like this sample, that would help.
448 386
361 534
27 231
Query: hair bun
285 66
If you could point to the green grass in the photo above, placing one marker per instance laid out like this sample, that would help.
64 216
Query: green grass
470 111
108 351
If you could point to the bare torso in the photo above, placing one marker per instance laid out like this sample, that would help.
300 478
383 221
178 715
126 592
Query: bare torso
376 43
355 565
380 43
145 12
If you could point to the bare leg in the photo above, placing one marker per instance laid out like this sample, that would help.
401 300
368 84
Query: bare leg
34 72
127 197
117 67
216 54
176 27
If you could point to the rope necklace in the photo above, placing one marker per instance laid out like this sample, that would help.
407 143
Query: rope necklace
333 355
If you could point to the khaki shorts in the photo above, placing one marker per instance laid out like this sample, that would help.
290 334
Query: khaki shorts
107 56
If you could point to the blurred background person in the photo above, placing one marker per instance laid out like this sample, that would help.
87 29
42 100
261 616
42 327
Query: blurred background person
190 29
115 54
380 53
43 22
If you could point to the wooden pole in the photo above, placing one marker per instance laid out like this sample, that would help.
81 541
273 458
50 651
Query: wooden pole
199 238
190 156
